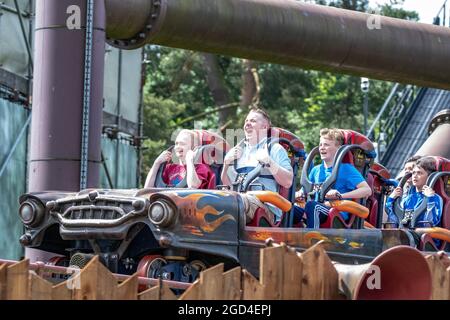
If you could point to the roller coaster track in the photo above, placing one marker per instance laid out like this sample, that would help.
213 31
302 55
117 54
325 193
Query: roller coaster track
413 129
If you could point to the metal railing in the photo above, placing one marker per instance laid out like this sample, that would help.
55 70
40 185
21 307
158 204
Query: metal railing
442 18
389 118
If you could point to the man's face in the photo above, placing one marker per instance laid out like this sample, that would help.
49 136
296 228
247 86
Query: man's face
408 169
419 177
255 126
183 144
327 149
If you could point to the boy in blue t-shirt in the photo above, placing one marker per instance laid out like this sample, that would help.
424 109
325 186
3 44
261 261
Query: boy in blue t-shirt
350 184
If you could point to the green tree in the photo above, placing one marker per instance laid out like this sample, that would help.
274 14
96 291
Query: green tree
185 88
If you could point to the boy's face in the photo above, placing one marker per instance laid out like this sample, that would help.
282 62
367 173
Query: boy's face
327 149
183 144
419 177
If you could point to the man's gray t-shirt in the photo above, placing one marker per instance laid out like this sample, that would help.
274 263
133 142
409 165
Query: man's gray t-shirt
248 161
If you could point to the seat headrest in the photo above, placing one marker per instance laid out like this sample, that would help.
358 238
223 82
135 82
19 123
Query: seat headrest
442 164
220 147
299 147
353 137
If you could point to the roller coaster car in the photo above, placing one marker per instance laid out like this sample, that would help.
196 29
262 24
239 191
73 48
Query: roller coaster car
359 151
440 182
174 233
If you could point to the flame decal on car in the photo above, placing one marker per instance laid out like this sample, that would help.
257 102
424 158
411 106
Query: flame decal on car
199 219
211 226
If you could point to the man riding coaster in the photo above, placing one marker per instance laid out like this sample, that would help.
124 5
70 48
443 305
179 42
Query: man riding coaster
254 150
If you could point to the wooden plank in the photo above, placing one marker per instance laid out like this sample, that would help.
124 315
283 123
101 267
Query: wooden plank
281 275
292 276
40 289
17 282
208 286
447 277
440 274
271 271
320 280
166 293
128 289
3 270
62 291
232 284
152 293
96 282
252 289
158 292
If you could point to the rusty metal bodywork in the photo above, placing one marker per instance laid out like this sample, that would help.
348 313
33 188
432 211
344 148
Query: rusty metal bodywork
209 225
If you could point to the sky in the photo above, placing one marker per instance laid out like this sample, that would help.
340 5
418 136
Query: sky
427 9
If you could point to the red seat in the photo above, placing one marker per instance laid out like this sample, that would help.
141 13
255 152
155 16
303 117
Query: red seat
362 159
213 157
376 180
442 188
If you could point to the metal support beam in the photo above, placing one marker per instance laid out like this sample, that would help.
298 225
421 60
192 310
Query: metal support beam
289 32
59 97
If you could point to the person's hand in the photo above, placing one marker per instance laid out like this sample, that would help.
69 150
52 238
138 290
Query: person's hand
165 156
299 196
262 155
233 154
427 191
333 195
398 192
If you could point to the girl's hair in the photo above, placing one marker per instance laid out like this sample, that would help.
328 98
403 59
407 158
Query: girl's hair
193 136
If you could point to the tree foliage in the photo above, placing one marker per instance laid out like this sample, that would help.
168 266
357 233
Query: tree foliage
179 87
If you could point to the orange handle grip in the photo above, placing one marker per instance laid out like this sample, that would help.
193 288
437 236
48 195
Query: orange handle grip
272 198
435 233
351 207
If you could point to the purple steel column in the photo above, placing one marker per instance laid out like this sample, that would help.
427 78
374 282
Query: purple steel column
58 97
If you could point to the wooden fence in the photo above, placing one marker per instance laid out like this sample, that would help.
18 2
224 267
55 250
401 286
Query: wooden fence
284 274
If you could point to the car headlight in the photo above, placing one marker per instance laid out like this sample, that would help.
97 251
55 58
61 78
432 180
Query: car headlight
31 212
161 213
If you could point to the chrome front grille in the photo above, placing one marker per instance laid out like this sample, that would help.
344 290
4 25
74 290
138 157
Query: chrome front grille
97 210
103 210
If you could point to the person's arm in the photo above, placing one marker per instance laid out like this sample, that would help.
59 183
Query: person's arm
192 179
282 176
434 206
224 175
362 191
392 217
233 154
151 176
278 164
